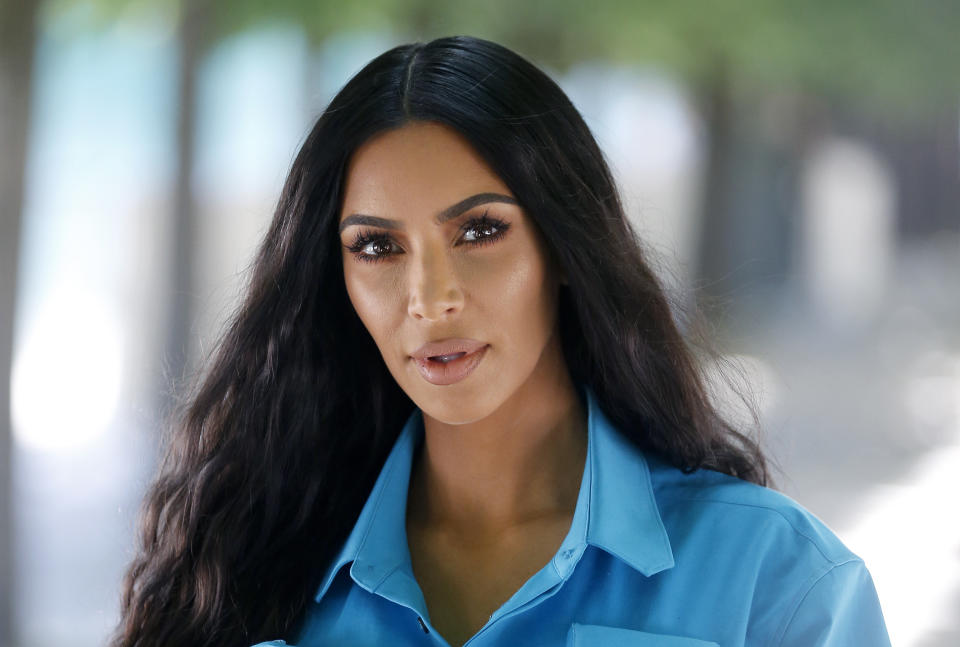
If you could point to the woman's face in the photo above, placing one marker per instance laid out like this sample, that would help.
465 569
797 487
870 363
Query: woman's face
434 248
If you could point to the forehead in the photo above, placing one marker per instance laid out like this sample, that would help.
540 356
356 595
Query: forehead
419 166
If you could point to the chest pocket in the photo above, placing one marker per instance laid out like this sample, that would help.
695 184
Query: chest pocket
600 636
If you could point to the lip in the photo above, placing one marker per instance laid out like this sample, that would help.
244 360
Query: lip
447 347
443 374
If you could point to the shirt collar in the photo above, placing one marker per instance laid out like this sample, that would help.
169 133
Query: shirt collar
622 516
616 510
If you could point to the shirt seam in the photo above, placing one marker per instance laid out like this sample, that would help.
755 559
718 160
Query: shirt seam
553 562
383 579
786 519
788 620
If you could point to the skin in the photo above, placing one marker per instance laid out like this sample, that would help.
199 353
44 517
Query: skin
493 492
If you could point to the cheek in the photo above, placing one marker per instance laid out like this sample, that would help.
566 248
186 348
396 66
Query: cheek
520 296
373 299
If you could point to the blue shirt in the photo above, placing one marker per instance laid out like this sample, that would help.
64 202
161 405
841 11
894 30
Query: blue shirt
653 557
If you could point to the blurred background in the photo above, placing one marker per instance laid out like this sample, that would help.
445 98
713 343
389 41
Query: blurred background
794 168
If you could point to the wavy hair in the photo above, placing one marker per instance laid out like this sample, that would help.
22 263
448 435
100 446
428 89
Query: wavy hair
269 459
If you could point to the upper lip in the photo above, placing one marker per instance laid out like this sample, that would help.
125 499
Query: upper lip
447 347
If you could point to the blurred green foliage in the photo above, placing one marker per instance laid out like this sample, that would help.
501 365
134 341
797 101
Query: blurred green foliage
905 55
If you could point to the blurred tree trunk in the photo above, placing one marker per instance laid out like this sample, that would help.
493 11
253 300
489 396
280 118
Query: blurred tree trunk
716 203
925 159
192 31
750 195
17 41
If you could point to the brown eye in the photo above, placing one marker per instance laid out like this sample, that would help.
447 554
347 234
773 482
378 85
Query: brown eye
486 230
367 242
372 247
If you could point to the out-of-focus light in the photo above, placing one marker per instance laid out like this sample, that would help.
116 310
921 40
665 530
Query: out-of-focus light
67 372
848 231
932 396
909 534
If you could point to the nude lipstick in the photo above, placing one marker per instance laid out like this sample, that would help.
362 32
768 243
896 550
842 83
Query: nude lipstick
448 361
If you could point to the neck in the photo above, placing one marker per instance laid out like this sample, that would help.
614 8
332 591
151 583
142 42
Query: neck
522 463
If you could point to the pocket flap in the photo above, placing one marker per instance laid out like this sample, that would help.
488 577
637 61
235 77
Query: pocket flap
601 636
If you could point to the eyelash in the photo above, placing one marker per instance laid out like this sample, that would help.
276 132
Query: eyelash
365 237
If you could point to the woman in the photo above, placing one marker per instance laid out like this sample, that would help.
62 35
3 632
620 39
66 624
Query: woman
455 404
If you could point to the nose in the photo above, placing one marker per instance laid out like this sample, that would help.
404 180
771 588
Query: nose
435 291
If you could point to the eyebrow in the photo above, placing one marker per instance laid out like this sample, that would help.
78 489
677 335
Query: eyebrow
449 213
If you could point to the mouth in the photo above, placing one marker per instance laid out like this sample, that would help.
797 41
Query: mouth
442 370
444 359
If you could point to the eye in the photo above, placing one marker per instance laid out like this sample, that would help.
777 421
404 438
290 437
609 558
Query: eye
366 245
371 247
486 229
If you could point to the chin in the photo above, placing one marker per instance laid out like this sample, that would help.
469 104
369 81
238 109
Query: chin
452 406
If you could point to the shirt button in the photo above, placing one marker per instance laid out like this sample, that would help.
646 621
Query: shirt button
423 625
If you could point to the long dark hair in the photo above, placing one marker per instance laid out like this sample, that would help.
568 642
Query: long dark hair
271 457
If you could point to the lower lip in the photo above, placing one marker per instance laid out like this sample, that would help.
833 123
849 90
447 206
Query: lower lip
451 372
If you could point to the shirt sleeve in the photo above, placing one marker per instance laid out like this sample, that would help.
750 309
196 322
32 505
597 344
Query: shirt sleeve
841 608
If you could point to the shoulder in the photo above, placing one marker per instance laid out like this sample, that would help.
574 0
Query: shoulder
746 513
803 586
